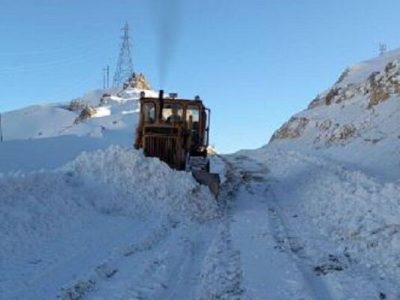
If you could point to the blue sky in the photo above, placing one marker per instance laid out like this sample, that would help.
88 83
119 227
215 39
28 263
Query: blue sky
254 62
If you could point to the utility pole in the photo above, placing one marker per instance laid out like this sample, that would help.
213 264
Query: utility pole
104 78
108 76
124 69
1 130
382 49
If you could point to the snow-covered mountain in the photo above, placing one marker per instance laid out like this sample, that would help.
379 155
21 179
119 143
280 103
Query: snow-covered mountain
357 120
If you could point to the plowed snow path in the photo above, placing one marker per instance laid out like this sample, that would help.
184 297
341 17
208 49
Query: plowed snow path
268 270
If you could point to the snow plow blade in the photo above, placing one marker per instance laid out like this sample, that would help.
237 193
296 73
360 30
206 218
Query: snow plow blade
211 180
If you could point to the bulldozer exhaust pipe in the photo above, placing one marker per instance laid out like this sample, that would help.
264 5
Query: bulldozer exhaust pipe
161 99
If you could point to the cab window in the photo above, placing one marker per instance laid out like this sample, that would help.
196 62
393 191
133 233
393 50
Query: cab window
172 113
192 112
149 113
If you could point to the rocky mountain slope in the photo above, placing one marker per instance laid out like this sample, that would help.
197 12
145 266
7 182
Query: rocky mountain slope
360 113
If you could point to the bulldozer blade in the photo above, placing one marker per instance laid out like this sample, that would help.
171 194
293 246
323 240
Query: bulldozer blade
212 180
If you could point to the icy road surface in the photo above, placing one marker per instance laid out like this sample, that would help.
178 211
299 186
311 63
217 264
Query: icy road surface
261 242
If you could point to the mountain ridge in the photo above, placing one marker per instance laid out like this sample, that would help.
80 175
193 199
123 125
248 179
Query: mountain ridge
360 113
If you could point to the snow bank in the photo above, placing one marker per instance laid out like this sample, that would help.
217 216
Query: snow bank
359 213
141 184
115 182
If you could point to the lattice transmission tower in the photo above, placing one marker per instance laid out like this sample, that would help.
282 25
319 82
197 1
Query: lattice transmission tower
124 68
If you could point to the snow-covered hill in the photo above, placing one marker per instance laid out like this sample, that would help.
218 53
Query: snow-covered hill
357 120
48 136
117 110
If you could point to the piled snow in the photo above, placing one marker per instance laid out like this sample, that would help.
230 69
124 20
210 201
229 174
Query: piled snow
116 182
142 184
358 213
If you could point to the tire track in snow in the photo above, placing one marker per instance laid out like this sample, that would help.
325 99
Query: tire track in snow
252 176
221 275
292 245
172 270
110 266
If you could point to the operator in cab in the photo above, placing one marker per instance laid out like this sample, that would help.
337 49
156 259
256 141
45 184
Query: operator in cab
174 117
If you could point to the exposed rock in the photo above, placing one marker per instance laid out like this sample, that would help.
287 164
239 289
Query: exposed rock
85 114
292 129
342 134
382 85
76 105
329 98
378 91
137 81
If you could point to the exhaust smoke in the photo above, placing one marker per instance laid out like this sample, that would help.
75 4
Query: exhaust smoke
168 23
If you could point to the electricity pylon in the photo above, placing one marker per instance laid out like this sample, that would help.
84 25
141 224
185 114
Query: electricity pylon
124 68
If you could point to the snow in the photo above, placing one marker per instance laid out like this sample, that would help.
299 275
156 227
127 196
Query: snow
315 216
42 210
359 72
26 123
102 112
54 120
332 220
334 177
351 130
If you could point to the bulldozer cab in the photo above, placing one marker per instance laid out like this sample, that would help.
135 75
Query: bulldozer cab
173 129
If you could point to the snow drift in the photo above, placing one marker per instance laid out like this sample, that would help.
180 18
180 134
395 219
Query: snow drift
116 181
